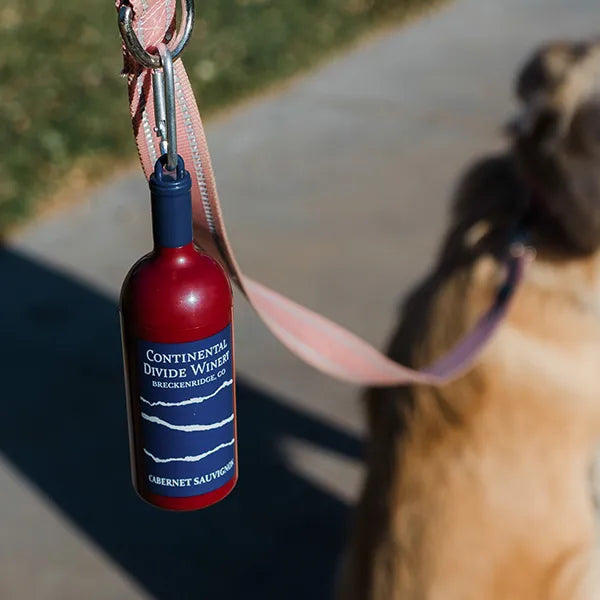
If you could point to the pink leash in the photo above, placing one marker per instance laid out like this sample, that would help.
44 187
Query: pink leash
318 341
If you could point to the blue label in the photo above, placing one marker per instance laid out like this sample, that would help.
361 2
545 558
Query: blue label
186 401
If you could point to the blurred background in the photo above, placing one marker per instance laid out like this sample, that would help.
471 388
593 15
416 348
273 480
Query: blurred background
335 185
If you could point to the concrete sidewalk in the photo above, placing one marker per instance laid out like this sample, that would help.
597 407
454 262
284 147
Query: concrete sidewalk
335 192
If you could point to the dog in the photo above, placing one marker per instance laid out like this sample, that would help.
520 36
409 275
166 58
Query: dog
483 489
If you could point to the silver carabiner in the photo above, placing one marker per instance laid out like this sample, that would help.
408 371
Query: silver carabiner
163 86
131 41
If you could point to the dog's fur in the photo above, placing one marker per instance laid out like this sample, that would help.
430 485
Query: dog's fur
482 489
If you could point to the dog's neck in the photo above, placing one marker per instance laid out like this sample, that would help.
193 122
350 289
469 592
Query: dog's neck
551 338
538 378
549 347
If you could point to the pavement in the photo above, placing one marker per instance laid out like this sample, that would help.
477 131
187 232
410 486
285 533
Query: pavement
335 190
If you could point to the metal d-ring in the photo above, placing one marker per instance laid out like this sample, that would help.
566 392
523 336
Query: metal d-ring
152 61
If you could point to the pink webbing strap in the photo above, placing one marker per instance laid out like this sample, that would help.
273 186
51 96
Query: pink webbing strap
316 340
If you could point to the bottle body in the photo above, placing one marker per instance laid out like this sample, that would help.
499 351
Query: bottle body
177 329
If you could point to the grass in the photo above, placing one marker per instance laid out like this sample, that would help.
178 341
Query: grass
63 105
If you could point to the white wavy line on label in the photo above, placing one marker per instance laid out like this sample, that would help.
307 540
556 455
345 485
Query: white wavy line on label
188 428
189 458
198 400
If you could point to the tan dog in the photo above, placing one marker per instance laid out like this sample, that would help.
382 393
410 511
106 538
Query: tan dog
482 489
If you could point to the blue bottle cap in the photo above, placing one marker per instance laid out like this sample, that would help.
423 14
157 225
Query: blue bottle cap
171 204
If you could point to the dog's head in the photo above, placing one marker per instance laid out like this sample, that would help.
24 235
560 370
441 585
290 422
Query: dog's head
556 139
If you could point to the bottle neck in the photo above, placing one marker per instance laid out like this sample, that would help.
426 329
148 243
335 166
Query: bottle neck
172 219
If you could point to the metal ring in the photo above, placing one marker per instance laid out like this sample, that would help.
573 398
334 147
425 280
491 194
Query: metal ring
130 38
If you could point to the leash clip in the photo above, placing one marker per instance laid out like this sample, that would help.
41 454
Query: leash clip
163 76
163 88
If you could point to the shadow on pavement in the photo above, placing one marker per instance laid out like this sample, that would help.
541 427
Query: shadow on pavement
63 425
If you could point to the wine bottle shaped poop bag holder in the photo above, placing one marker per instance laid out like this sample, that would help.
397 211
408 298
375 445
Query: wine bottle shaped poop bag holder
177 328
176 321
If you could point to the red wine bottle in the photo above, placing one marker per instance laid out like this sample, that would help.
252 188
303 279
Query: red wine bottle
176 321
